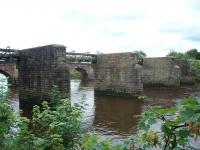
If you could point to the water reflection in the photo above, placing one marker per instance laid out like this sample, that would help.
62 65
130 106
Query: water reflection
81 92
14 98
110 116
168 96
115 115
106 115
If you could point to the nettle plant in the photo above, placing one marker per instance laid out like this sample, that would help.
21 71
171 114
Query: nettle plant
179 126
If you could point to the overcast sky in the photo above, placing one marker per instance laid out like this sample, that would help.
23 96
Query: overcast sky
154 26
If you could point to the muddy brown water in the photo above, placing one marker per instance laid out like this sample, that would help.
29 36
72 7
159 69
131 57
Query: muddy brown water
110 116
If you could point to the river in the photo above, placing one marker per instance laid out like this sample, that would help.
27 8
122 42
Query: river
110 116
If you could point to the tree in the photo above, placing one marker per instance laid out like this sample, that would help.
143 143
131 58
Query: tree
140 54
175 54
193 54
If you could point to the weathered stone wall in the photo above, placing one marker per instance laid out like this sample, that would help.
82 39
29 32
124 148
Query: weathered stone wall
160 71
39 69
118 74
186 73
9 69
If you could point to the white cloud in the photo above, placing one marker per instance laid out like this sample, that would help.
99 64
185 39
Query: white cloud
103 25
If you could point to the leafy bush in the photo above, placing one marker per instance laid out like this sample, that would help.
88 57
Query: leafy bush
7 123
177 55
62 125
178 126
191 54
140 54
50 129
92 142
195 64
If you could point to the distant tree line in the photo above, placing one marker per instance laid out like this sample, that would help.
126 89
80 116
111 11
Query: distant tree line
191 54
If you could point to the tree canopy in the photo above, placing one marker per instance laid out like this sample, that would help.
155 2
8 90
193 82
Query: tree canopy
141 54
191 54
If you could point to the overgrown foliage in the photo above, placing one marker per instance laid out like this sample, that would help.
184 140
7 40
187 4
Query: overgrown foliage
140 54
191 54
178 126
51 127
175 54
7 119
193 57
48 129
92 142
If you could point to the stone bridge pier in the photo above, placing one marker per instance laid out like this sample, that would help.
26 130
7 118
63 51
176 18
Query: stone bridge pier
9 69
39 69
118 74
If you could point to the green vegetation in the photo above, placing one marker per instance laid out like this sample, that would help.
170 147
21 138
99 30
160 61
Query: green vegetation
140 54
177 55
178 126
193 57
191 54
50 128
142 97
92 142
74 74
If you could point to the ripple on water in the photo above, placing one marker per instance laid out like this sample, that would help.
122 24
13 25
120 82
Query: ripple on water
110 116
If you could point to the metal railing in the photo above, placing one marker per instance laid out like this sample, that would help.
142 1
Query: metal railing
8 53
80 57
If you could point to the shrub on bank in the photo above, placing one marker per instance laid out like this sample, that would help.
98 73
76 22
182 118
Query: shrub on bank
58 128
